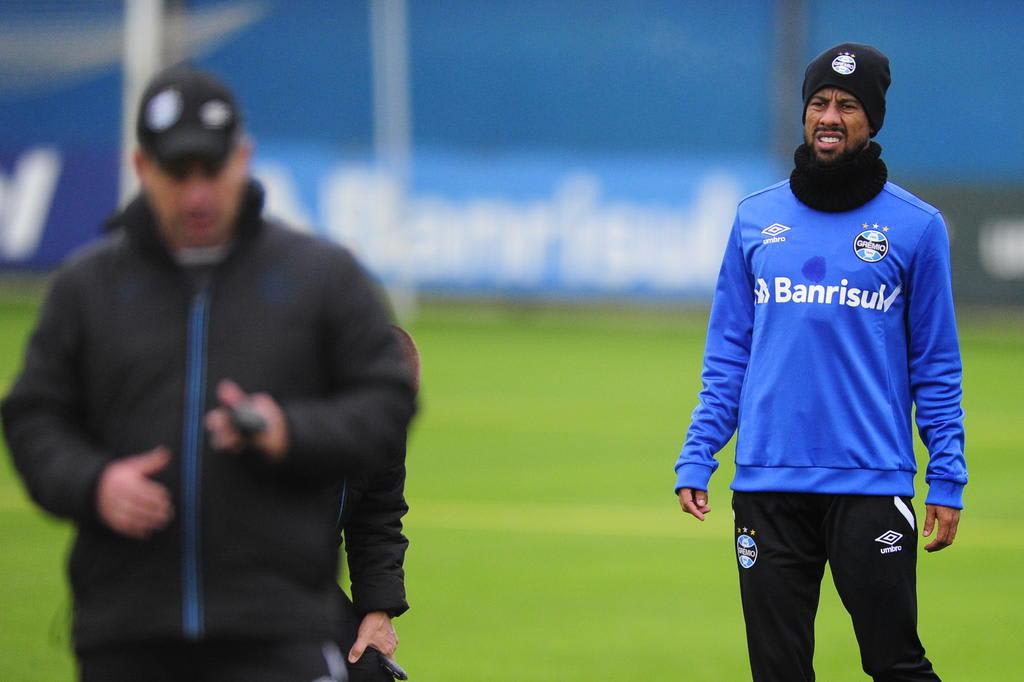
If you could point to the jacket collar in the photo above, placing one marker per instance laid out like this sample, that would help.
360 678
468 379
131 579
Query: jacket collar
139 223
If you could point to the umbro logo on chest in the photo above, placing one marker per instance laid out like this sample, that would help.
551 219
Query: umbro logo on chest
774 232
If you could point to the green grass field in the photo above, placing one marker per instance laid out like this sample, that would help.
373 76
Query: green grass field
546 541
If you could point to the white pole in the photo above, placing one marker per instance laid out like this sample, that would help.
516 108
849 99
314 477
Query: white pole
790 40
143 47
390 55
392 127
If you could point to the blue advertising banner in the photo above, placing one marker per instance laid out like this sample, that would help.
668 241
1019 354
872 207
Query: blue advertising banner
53 199
552 226
544 225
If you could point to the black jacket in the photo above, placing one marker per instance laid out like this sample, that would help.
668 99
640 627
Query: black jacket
370 526
126 356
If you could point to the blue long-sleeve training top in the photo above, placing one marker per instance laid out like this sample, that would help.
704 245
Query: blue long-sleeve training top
826 328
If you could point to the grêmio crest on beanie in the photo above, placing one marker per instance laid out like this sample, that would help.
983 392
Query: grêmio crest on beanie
858 69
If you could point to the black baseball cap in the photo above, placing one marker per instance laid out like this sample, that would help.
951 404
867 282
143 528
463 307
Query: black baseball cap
187 113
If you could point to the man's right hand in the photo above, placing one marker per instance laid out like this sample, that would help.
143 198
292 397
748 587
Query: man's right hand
694 502
129 501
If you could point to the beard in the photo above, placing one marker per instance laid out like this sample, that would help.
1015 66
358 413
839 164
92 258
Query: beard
837 159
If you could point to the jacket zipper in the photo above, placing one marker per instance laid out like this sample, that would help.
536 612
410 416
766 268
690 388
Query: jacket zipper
341 505
195 390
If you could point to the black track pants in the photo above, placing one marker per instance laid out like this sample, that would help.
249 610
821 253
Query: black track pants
782 543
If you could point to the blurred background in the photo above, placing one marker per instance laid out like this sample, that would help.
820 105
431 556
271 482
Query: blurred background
517 149
545 188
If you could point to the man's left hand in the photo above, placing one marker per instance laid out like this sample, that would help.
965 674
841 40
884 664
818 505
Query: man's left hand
948 518
377 631
272 440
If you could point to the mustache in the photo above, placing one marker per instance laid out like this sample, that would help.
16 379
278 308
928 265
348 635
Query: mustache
830 129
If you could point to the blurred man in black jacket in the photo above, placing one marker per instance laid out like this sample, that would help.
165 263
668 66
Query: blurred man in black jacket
205 550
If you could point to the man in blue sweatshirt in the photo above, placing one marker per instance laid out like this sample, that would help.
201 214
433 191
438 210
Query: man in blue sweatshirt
832 318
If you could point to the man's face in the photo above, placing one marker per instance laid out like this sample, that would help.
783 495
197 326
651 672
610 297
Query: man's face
195 203
835 125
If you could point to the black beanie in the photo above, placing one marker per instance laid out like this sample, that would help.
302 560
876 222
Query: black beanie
860 70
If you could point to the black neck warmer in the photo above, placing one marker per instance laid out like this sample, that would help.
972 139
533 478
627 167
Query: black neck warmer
841 187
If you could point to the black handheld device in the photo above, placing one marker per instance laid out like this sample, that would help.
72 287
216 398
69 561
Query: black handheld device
247 421
391 666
